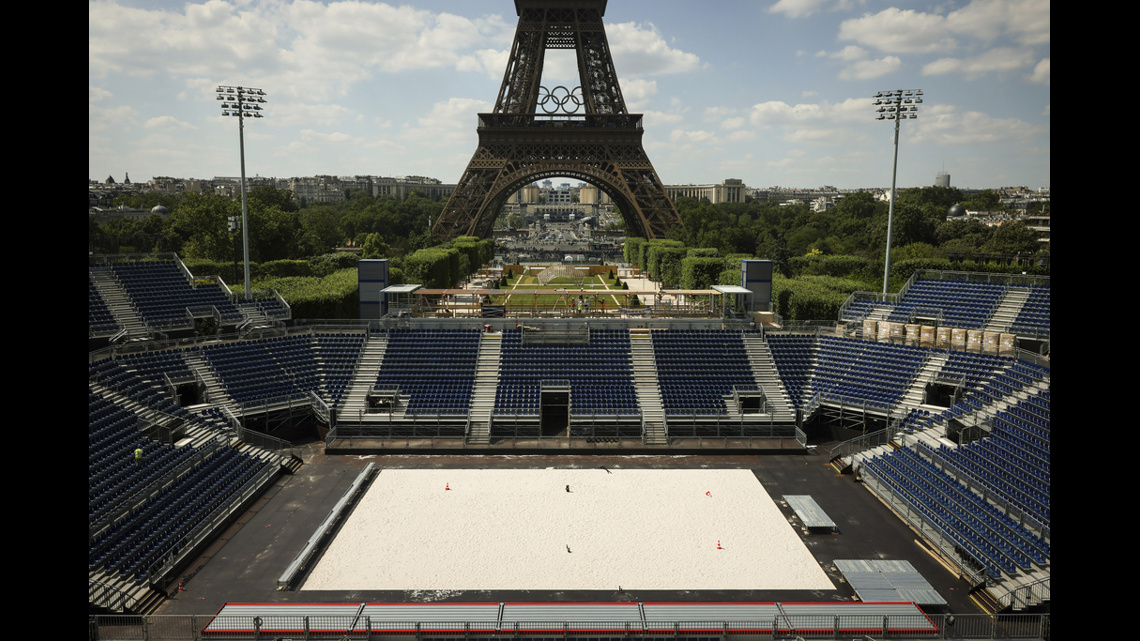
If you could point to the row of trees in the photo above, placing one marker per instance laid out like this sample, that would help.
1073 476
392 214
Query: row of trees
198 226
856 226
820 257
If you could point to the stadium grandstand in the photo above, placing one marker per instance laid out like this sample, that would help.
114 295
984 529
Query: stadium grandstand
934 402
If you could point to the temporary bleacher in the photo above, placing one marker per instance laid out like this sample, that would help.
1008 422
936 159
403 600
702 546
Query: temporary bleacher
987 498
336 355
598 372
1000 544
960 303
164 296
265 370
1013 460
100 320
697 368
794 355
113 433
864 372
145 514
1034 315
434 369
990 496
160 523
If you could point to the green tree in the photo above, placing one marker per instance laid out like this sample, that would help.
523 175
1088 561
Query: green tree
985 200
270 196
200 221
374 247
320 231
273 234
1012 239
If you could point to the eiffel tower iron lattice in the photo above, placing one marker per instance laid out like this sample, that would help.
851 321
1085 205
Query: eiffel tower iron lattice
537 132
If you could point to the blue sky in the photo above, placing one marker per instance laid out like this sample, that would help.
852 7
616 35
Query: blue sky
774 92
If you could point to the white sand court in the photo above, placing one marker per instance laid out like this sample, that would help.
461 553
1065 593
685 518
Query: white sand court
522 530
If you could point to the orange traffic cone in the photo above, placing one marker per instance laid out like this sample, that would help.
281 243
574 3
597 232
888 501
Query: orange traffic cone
447 486
718 546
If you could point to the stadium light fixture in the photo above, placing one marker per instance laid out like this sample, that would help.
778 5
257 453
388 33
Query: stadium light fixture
896 105
242 102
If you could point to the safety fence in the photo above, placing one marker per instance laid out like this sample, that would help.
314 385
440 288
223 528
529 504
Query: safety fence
785 627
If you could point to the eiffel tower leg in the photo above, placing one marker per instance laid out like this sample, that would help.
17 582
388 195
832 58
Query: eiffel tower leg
464 213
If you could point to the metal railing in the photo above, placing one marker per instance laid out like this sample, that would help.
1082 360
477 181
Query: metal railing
197 627
861 443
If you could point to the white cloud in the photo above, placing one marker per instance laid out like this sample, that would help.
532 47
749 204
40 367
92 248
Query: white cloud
168 123
322 138
100 118
638 93
899 31
824 123
714 113
775 112
868 69
732 123
308 49
209 38
288 114
797 8
654 119
1025 21
449 123
944 125
1040 73
490 62
641 51
1000 59
849 53
693 137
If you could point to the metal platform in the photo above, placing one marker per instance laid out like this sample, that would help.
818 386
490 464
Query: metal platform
885 580
809 512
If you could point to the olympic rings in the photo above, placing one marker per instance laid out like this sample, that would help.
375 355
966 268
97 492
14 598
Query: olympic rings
553 101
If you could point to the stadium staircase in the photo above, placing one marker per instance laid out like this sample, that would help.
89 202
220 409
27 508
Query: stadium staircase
367 371
915 395
486 382
879 314
252 317
215 390
117 300
768 379
646 387
116 593
1007 310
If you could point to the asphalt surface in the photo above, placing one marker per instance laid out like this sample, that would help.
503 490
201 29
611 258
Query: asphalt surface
243 565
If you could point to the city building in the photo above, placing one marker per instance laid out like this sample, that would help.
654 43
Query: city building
730 190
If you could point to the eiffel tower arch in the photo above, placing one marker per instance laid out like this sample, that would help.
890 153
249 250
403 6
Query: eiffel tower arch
538 132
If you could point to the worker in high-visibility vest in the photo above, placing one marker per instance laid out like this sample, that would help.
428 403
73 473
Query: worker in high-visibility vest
138 455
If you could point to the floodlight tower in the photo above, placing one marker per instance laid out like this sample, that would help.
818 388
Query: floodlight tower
895 105
243 102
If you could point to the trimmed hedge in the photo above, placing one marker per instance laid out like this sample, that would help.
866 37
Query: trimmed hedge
811 298
703 272
433 267
632 251
665 262
334 296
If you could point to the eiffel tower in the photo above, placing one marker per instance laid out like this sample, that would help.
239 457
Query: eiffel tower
537 132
